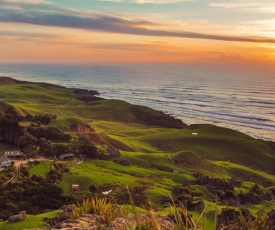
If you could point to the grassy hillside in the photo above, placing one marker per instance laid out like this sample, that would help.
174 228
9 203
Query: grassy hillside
161 153
37 98
209 141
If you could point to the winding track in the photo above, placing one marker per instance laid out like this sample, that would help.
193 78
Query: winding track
18 164
17 173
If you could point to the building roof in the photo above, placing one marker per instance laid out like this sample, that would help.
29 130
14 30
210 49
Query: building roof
4 159
67 155
12 153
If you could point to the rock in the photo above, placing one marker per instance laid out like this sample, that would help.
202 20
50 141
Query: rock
94 222
271 219
229 215
16 218
61 217
85 222
118 223
82 128
86 92
67 208
165 222
24 213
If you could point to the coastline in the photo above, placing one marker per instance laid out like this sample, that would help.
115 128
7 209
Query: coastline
93 92
195 94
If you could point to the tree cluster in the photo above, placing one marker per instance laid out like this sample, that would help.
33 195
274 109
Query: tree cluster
55 175
31 194
137 192
13 134
190 198
50 133
45 119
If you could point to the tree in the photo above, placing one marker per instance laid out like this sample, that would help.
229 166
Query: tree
11 132
89 150
93 188
46 147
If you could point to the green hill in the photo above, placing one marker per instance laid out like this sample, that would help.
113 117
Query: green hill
157 154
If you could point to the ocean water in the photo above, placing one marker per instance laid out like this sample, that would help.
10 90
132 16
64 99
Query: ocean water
238 97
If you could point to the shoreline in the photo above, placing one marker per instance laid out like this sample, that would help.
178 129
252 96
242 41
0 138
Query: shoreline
238 127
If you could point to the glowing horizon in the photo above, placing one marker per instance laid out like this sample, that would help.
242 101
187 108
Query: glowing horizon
174 31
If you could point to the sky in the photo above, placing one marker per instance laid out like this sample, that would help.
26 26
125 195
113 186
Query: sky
165 31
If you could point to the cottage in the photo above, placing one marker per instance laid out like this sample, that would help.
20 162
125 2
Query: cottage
66 156
75 187
5 163
13 154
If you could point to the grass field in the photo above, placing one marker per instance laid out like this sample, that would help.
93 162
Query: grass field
41 169
32 221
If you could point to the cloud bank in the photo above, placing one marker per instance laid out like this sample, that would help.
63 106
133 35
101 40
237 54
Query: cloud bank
49 15
147 1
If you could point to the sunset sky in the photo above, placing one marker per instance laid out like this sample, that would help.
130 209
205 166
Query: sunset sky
189 31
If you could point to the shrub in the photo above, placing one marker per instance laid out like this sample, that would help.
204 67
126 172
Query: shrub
93 206
93 188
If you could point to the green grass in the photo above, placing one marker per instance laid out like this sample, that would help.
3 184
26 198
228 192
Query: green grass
2 174
105 172
32 221
65 123
41 169
212 142
265 206
93 172
247 174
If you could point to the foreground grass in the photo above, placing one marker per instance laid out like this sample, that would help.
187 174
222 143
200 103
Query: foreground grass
32 221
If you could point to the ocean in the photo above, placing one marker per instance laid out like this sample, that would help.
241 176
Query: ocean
240 97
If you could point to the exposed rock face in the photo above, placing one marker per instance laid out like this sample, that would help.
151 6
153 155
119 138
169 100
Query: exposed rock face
82 128
255 196
229 215
86 92
272 144
147 116
20 217
95 222
271 219
85 222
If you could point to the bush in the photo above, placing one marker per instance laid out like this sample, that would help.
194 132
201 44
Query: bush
93 188
49 133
